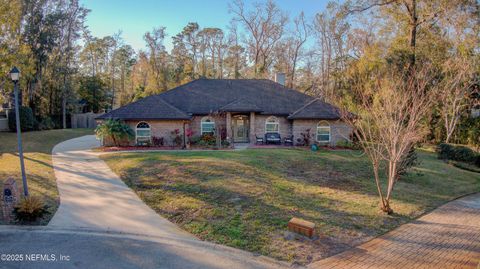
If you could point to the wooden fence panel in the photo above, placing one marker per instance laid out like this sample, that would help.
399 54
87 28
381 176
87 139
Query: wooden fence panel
85 120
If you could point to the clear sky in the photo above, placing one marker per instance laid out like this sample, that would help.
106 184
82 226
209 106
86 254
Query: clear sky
134 18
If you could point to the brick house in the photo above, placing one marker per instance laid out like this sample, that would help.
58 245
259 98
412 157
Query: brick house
242 109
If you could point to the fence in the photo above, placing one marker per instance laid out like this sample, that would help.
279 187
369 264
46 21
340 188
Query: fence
85 120
4 120
4 125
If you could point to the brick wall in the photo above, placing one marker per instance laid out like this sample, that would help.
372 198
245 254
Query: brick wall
285 125
195 124
161 129
339 131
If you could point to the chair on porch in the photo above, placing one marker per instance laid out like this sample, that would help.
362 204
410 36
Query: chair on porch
258 139
288 140
273 138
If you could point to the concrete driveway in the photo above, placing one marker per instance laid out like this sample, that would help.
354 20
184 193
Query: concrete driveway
101 223
93 197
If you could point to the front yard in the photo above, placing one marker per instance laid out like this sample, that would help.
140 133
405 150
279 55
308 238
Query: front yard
37 148
245 198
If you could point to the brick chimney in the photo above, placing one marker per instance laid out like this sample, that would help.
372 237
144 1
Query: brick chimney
280 78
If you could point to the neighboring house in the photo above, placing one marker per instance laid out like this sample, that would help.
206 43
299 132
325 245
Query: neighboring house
4 108
239 108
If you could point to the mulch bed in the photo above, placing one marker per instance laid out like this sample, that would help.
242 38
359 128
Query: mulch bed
140 148
296 147
274 147
135 148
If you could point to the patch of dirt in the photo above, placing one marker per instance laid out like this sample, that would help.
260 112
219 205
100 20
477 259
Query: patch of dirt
304 250
321 176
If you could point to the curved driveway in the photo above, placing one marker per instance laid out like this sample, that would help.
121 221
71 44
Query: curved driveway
101 223
93 197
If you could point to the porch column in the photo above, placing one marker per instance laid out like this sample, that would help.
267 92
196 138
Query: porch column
229 126
186 129
252 127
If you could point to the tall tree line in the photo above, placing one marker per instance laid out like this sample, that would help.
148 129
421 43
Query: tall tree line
41 38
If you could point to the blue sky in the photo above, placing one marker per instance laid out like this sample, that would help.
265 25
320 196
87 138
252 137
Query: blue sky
134 18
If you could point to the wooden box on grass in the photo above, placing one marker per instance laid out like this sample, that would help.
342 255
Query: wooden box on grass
302 227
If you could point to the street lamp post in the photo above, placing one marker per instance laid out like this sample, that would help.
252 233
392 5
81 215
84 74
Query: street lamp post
15 75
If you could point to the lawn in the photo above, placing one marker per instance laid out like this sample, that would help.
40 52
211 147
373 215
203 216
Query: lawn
38 163
245 198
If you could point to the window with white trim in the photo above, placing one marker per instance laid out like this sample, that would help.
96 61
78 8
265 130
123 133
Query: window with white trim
272 125
323 132
143 133
207 126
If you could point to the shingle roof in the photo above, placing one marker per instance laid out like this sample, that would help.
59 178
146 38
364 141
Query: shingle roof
151 107
240 105
316 109
204 96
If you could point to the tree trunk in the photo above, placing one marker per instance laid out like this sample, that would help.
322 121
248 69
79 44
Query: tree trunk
413 33
114 140
377 182
392 175
447 139
236 71
64 112
113 87
64 102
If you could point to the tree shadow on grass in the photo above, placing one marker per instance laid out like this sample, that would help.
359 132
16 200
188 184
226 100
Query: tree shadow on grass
263 215
40 186
331 170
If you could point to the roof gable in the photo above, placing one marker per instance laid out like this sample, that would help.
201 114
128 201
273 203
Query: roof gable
316 109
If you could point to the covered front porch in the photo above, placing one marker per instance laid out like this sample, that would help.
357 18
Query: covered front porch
240 127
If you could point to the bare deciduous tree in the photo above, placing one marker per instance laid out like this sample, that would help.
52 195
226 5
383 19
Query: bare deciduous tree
387 121
456 91
290 51
265 26
331 31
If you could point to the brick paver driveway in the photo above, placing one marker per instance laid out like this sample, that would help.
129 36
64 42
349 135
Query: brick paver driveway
448 237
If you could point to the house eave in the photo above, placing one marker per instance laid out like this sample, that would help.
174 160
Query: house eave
314 118
132 119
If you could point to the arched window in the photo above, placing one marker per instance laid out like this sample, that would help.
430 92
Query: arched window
272 125
143 133
207 126
323 131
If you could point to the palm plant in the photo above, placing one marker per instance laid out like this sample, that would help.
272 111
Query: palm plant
114 129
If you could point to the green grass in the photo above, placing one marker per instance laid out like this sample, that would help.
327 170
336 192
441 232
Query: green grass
245 198
37 148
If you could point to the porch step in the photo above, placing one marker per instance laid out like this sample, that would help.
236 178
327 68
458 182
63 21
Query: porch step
241 146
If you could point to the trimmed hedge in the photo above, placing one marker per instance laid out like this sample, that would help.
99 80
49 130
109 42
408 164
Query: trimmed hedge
466 166
27 121
458 153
